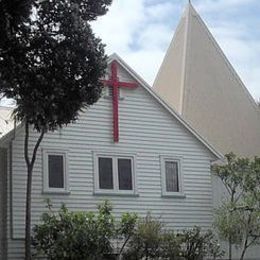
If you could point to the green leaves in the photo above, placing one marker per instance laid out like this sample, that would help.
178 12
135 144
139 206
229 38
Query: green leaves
52 65
67 235
238 219
75 235
198 244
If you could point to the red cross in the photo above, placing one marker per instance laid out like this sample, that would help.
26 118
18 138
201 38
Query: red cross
116 84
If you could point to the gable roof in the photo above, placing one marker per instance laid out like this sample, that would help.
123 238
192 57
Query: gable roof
145 85
198 81
171 110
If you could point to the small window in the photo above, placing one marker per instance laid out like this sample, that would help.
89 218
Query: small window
55 171
125 174
105 173
171 176
114 174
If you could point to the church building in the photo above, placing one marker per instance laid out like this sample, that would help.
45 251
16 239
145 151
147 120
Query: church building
144 149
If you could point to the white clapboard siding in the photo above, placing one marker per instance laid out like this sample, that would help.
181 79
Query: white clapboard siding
147 131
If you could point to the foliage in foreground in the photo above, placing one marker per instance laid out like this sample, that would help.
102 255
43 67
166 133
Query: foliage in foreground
88 236
51 64
238 218
75 235
152 241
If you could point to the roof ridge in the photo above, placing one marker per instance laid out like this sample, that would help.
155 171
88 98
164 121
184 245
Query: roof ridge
187 38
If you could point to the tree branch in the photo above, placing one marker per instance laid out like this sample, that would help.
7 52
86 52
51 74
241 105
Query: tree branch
227 187
26 140
37 146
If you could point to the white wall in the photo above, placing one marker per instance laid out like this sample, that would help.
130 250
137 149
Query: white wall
147 130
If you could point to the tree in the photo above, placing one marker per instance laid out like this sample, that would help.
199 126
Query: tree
230 175
238 219
51 64
13 13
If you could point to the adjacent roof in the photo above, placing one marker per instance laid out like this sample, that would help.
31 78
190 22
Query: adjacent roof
198 81
6 120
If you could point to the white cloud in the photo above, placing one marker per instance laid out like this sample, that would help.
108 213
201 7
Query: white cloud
118 27
209 6
140 32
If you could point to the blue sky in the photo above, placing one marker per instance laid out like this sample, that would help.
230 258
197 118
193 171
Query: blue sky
141 30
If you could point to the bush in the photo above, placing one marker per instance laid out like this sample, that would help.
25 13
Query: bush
171 246
196 244
126 229
146 240
151 242
87 236
75 235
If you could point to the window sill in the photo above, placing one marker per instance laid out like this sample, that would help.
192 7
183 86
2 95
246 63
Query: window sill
178 195
115 193
56 192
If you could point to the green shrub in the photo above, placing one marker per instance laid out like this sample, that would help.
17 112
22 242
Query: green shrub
146 241
150 241
87 236
126 229
196 244
171 246
75 235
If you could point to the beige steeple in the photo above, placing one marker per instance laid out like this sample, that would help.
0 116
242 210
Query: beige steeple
198 81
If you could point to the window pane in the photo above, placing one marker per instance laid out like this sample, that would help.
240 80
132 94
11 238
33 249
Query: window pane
56 171
105 173
171 172
125 174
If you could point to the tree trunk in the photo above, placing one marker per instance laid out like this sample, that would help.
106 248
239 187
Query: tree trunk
243 254
29 164
229 249
28 214
230 238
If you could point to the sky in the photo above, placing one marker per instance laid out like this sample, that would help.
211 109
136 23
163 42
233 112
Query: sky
140 32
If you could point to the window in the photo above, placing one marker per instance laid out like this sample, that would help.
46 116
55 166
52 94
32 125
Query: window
171 176
55 172
105 173
114 174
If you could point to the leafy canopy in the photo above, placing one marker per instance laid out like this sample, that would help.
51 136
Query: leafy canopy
51 63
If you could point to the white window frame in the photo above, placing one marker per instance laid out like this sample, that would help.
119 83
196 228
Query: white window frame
115 190
46 188
165 193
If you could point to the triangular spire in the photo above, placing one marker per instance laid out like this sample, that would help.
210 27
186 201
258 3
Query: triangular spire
198 81
174 64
